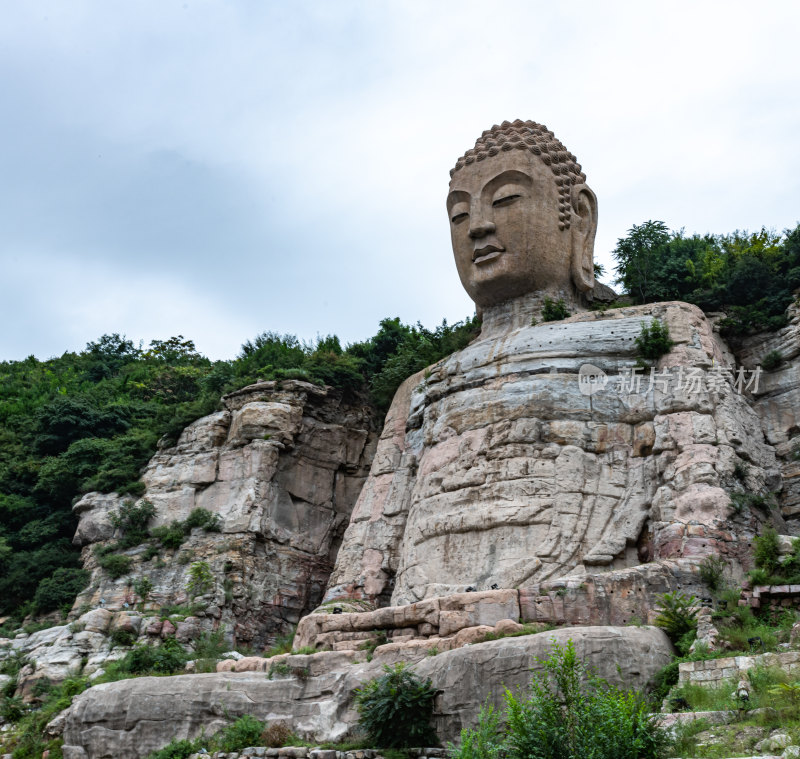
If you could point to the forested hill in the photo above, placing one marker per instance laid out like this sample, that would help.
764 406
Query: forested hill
91 420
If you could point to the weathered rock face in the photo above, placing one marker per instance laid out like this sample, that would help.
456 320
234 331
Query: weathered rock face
777 403
128 719
281 466
494 468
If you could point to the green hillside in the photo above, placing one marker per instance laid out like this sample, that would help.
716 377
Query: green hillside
91 420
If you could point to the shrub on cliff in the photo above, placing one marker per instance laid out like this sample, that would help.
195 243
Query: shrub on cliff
165 659
654 340
554 310
396 708
569 713
678 619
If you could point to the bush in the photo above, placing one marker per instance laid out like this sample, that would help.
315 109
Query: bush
740 501
12 709
771 361
395 709
282 644
201 579
678 617
204 519
143 587
654 340
483 741
569 714
246 731
165 659
178 749
554 311
766 549
712 572
210 645
132 521
60 589
170 536
115 564
277 735
122 638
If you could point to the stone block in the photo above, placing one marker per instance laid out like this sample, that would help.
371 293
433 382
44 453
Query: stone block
471 609
96 620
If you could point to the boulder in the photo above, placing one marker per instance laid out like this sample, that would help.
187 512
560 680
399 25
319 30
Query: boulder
130 718
96 620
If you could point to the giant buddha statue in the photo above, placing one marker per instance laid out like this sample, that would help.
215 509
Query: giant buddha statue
497 468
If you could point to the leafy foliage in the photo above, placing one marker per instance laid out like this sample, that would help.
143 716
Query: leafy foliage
60 589
712 571
772 361
553 311
167 658
395 709
245 731
654 340
678 618
115 564
569 713
770 568
751 276
766 548
484 741
201 579
131 520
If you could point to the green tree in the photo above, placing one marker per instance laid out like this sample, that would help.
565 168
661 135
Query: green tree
638 256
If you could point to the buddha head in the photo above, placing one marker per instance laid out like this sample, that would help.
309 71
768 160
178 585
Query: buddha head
522 219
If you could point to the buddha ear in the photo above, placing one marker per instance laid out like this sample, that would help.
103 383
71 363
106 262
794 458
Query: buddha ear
583 228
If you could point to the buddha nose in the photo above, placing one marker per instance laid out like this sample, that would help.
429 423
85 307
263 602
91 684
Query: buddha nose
480 228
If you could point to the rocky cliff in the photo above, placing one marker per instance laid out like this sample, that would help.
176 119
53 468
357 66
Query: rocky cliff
281 467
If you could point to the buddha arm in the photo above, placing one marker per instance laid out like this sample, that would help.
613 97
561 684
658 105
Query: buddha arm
367 560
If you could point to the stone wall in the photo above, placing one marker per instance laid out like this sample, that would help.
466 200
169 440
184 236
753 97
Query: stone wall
715 671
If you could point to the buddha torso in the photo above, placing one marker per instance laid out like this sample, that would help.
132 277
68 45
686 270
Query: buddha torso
494 468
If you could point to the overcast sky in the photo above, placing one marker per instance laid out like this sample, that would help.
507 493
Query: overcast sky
218 169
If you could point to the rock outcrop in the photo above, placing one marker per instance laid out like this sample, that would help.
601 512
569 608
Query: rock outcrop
128 719
281 467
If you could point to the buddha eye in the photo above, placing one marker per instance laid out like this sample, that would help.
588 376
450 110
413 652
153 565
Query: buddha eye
505 201
459 217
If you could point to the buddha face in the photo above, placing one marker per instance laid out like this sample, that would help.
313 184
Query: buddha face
504 228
